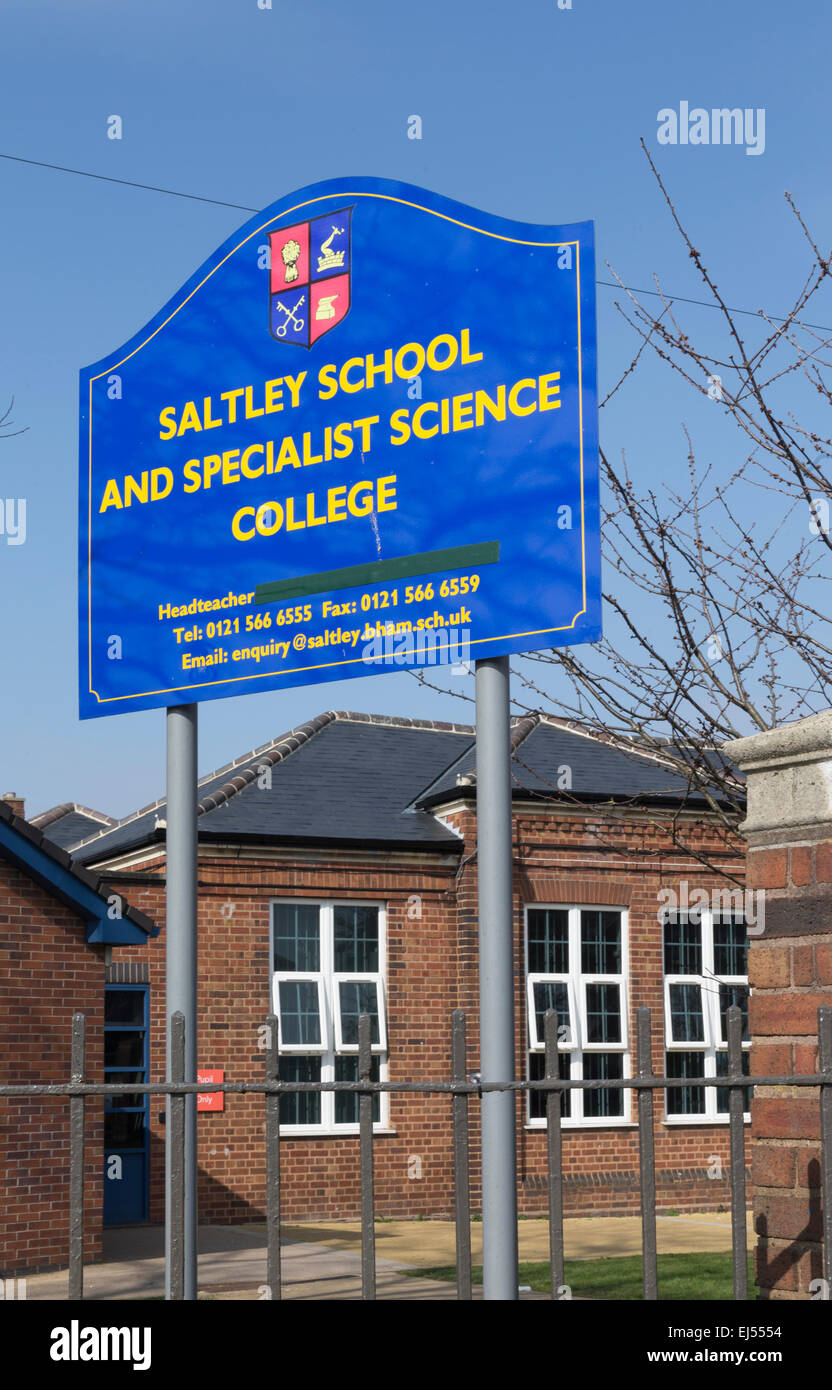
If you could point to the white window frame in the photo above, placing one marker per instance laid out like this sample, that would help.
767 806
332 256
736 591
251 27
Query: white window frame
594 979
356 977
330 1017
741 980
576 982
708 983
696 982
536 1042
281 977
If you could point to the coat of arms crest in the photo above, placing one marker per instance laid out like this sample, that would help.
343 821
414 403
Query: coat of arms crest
310 278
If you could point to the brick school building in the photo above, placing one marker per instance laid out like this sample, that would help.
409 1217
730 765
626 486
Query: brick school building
337 875
57 927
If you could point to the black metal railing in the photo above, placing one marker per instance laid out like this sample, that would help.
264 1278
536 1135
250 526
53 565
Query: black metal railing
461 1089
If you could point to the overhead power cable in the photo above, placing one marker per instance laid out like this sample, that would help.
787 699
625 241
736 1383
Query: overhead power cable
127 183
244 207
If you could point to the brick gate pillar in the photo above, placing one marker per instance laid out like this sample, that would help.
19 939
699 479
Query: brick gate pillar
789 834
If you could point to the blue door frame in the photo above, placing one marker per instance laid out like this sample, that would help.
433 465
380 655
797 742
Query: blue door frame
126 1134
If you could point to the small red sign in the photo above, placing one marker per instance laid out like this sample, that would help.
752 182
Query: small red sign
212 1100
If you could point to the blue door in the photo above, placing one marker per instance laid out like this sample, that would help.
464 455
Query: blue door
126 1160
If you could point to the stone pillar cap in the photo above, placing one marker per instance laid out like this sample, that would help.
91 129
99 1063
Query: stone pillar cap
789 772
804 740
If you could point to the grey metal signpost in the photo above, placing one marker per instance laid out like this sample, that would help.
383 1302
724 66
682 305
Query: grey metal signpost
181 980
243 628
496 972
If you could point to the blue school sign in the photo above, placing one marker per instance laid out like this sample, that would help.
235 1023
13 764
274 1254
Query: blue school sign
363 436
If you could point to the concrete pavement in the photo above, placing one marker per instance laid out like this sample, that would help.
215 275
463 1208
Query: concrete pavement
323 1262
232 1265
426 1243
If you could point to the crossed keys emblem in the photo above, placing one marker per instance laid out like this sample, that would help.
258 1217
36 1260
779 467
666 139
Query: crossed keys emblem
296 323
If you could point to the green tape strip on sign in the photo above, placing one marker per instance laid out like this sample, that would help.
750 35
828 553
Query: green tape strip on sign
380 572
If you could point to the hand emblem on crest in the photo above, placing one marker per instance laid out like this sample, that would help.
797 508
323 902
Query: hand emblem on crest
290 252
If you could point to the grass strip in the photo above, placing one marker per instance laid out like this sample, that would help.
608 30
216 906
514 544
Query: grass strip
699 1277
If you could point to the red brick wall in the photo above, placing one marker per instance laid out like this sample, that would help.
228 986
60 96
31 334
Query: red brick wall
432 969
790 968
48 972
617 862
319 1177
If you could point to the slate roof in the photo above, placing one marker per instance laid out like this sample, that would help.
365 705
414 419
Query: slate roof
346 778
599 769
68 824
341 777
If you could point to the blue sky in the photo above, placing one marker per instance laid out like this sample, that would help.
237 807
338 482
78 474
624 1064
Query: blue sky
529 111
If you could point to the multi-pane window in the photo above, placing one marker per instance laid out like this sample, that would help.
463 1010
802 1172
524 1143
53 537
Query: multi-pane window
705 972
575 965
328 969
125 1059
126 1114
